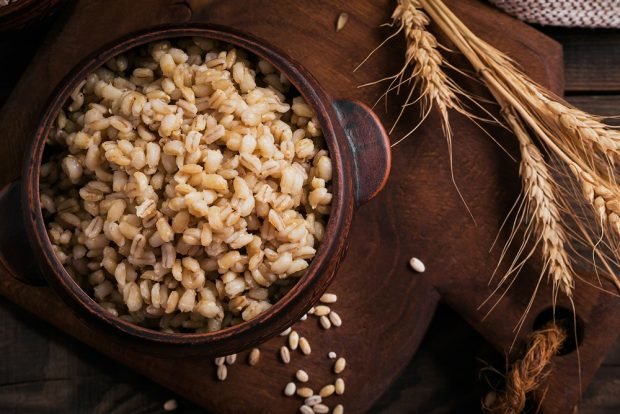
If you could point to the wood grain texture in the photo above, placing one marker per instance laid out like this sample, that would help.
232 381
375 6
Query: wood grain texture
603 105
591 59
424 214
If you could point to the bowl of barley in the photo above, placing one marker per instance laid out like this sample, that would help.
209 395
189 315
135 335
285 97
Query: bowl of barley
191 188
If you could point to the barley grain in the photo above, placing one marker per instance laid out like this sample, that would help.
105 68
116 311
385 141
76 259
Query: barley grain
313 400
285 355
220 361
340 365
222 372
343 18
339 409
335 319
293 340
254 356
231 359
304 345
339 386
286 332
305 392
331 355
320 409
328 298
302 376
177 156
289 389
321 310
327 391
170 405
417 265
325 322
304 409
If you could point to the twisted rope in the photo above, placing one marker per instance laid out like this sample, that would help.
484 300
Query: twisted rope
526 374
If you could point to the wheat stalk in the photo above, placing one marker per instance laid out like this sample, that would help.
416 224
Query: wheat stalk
539 213
540 193
423 75
423 70
581 143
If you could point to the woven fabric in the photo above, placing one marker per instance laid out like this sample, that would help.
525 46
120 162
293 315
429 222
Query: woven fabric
575 13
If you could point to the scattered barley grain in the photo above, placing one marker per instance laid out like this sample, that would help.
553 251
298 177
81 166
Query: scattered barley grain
339 365
305 392
285 355
304 345
290 388
302 376
417 265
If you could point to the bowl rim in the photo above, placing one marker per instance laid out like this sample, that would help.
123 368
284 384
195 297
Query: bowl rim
336 229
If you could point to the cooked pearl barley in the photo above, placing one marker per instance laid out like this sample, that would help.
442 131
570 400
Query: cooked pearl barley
325 323
254 356
335 319
331 355
231 359
222 372
304 409
285 355
313 400
220 361
343 18
170 405
286 332
302 376
187 192
339 366
321 310
417 265
339 409
290 388
327 391
339 386
329 298
304 345
320 409
305 392
293 340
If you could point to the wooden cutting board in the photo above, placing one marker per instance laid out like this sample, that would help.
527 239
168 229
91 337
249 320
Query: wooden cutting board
386 307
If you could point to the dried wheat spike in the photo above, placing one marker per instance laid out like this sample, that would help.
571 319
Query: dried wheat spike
436 88
604 199
539 189
422 74
592 133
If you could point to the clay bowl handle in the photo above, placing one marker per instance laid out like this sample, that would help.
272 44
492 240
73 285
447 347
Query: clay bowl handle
15 252
370 146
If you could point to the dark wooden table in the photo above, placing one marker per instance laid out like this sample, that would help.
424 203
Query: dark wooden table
44 371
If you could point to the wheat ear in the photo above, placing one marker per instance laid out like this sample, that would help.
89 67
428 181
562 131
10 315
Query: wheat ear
423 71
540 190
580 143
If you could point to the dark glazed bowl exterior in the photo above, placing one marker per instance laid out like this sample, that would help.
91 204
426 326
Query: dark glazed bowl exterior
322 268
